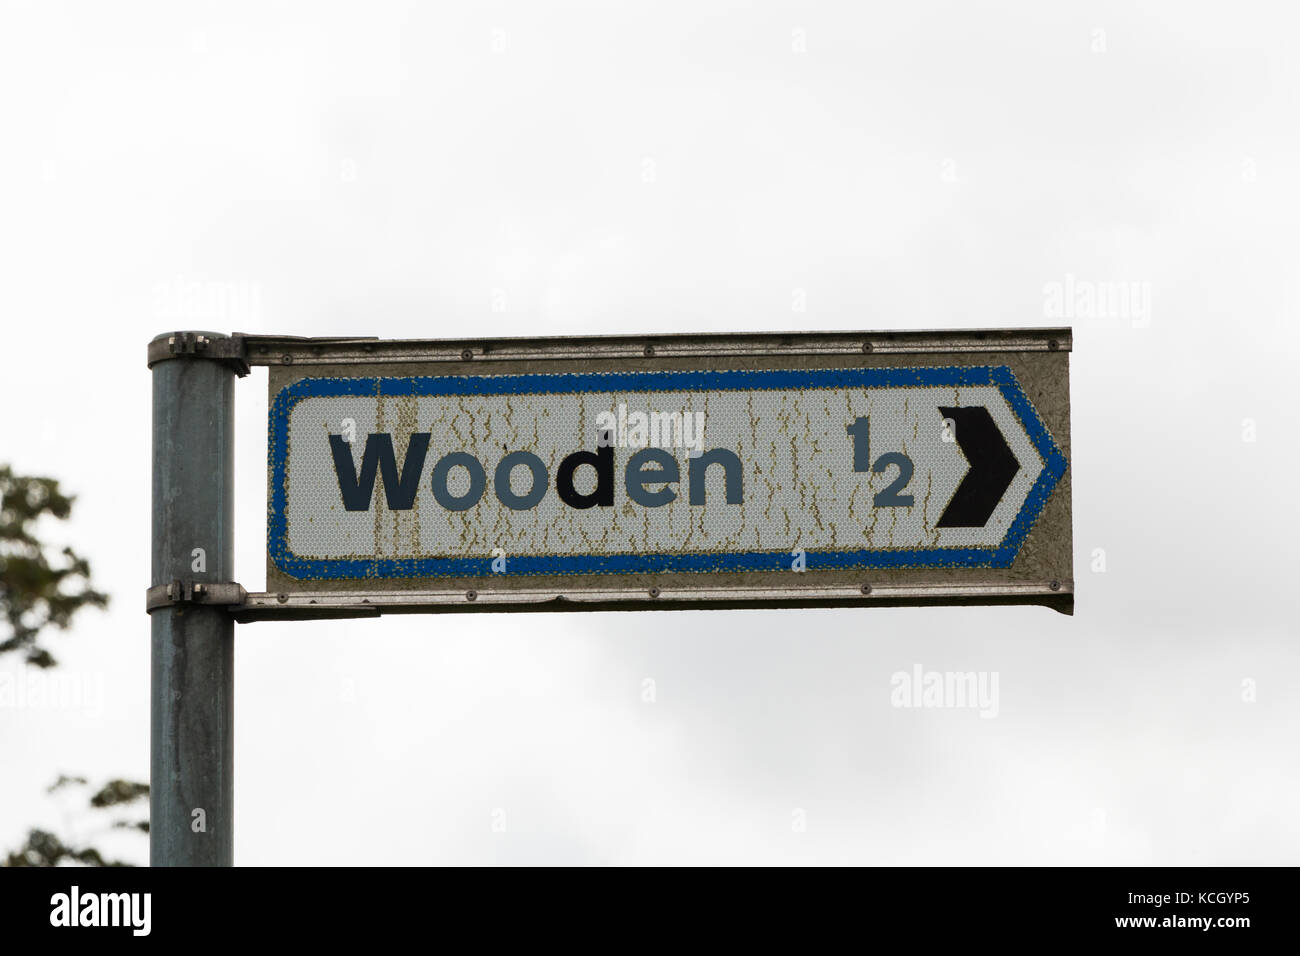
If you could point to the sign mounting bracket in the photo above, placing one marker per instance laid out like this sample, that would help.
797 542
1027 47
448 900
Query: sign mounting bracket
178 592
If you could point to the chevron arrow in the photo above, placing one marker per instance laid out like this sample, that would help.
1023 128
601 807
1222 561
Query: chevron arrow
992 467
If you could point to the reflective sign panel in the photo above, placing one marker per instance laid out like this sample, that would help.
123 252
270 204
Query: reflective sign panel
779 474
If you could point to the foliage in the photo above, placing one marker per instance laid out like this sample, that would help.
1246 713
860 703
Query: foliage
45 849
37 591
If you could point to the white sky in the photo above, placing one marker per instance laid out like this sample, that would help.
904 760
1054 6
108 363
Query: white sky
396 169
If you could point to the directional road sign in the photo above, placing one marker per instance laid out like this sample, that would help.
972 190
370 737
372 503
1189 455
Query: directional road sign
669 472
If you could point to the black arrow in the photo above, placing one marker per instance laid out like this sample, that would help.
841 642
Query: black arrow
992 466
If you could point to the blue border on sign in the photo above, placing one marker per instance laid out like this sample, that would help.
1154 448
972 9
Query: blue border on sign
563 383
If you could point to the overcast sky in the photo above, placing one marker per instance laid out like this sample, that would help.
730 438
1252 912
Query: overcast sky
421 170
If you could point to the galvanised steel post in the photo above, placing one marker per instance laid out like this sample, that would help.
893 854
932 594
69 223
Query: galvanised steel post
192 715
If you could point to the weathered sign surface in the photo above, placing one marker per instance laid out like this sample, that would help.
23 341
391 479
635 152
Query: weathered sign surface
671 472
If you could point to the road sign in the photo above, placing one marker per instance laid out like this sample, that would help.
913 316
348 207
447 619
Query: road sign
674 472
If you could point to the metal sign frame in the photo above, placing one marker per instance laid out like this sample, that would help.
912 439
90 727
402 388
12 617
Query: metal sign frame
1046 582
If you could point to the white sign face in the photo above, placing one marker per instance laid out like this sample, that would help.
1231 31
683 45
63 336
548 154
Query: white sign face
667 471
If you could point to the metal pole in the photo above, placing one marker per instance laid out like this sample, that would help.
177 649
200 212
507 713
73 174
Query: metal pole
192 683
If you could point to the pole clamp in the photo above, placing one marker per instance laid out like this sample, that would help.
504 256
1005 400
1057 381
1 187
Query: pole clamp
229 349
179 592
